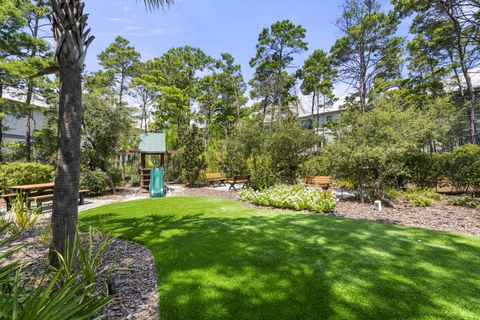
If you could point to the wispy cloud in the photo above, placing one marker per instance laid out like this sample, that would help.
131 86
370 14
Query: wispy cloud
155 32
132 28
121 20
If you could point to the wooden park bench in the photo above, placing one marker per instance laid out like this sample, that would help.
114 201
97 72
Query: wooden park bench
237 179
212 178
323 181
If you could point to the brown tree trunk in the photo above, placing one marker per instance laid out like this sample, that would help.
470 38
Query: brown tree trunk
28 101
72 41
28 118
65 195
361 189
1 122
471 107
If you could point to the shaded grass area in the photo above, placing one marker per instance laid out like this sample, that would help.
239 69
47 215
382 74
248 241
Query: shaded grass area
216 259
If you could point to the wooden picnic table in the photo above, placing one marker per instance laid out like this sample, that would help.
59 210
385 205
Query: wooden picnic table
28 188
39 192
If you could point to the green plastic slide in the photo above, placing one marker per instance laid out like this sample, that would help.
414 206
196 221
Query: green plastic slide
157 185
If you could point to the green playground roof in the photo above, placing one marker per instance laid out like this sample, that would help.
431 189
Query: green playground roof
152 143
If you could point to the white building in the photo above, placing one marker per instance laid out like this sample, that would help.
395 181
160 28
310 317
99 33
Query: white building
320 120
15 123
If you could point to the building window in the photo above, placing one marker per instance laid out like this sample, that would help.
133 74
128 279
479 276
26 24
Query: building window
307 123
329 119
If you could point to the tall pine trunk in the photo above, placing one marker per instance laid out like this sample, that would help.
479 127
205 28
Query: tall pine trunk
28 118
28 101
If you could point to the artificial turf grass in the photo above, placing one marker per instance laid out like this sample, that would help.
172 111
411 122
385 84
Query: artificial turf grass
216 259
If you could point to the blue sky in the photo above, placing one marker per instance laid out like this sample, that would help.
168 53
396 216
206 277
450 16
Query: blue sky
215 26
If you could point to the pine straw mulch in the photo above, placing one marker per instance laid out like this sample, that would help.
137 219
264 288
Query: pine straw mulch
134 273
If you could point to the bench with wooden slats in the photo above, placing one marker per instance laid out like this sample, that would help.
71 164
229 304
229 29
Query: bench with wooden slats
323 181
49 196
237 179
215 177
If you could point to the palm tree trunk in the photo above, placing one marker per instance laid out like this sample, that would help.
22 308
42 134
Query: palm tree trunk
65 197
72 41
1 122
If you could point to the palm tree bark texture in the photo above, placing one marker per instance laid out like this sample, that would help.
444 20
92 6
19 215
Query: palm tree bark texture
72 41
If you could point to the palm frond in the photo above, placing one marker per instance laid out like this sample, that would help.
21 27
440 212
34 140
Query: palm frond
155 4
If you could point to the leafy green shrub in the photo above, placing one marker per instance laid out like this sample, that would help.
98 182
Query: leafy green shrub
261 174
314 166
116 173
416 197
424 169
393 194
345 184
462 167
419 200
193 155
286 145
466 201
16 173
95 181
257 182
294 197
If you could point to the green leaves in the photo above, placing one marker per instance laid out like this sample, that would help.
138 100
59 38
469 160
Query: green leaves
378 142
193 155
276 49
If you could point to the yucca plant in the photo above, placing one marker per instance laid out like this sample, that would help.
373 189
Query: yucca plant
23 216
86 258
49 298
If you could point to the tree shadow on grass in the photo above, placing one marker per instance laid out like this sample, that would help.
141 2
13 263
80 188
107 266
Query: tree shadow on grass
270 265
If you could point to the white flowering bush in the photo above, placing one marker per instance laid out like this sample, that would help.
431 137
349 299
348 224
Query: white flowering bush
292 197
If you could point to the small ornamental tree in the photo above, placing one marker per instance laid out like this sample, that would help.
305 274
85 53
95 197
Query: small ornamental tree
193 155
377 145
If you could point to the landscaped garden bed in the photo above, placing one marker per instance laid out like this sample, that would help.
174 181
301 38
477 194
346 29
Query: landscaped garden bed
135 284
294 197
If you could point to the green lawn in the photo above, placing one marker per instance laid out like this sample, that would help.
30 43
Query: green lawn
216 259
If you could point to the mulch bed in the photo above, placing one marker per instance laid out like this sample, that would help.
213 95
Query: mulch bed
134 273
441 216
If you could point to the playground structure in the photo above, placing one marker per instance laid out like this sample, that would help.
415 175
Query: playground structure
152 178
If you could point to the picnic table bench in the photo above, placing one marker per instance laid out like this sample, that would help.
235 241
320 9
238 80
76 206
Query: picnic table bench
237 179
323 181
215 177
38 193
